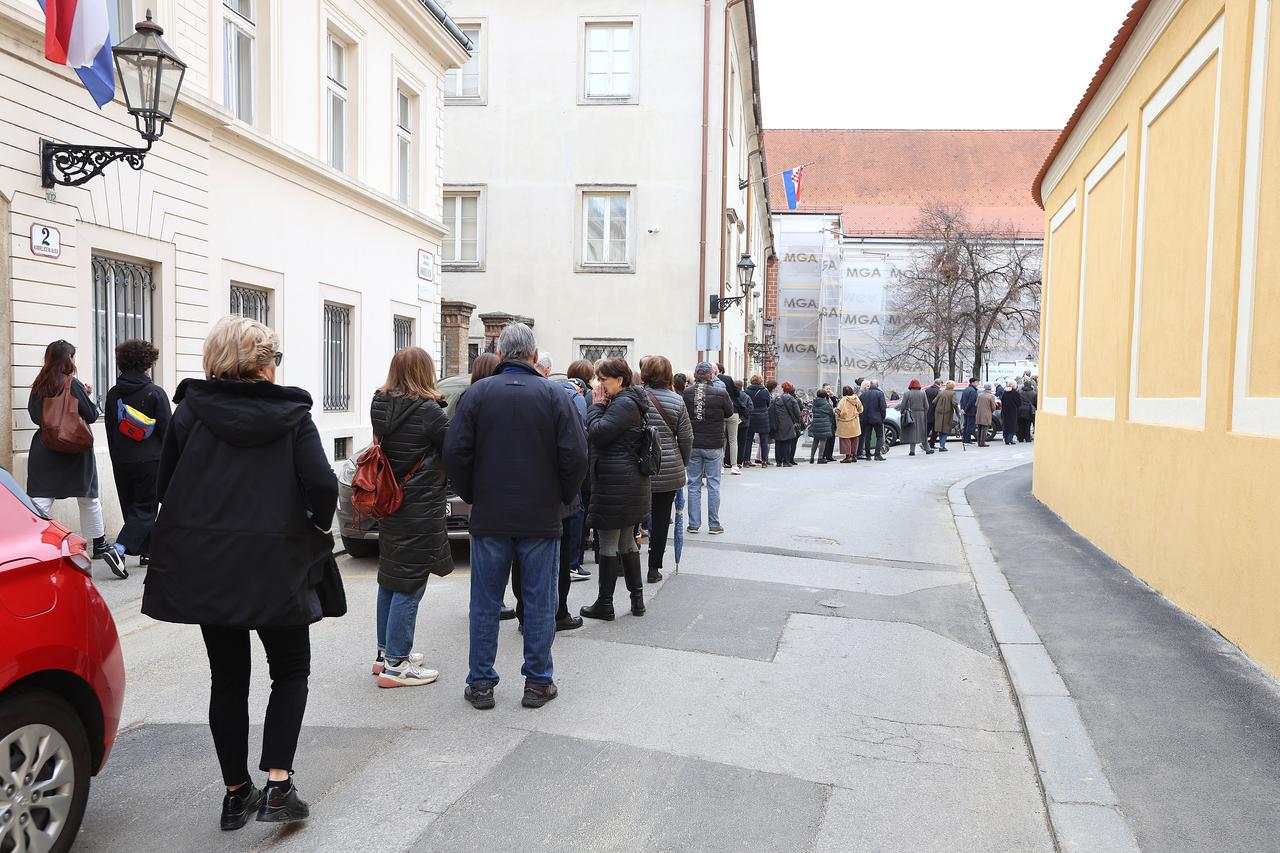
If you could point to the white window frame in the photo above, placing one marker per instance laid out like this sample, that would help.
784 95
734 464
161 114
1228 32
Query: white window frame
587 24
232 85
479 192
117 13
627 264
453 76
339 89
403 134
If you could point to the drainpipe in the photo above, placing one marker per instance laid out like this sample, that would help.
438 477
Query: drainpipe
724 161
706 133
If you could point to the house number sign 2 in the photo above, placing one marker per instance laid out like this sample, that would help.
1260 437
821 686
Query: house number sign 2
46 241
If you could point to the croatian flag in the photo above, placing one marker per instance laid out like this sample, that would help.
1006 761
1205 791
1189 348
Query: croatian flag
77 33
792 180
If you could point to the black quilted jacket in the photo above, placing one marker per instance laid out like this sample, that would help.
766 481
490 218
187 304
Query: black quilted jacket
619 492
414 541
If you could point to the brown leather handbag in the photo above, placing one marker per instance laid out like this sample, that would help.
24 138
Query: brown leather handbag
61 427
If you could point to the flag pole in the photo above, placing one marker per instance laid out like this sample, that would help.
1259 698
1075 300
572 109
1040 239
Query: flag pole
743 184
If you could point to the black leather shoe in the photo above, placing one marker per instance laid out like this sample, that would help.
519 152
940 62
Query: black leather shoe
654 576
506 614
569 623
537 695
282 805
237 805
480 696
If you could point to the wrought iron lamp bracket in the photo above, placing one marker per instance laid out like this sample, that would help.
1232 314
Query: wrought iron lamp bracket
73 165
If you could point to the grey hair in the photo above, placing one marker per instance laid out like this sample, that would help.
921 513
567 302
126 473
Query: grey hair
986 387
516 343
875 383
544 361
866 385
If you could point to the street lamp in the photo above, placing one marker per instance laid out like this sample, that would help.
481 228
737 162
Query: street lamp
151 76
746 269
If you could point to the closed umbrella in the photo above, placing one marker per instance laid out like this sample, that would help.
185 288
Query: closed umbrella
679 525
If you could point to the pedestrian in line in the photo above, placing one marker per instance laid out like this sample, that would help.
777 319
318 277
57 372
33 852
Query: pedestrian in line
1010 405
944 411
969 408
894 396
874 409
679 382
516 451
486 365
1026 410
621 495
758 420
409 423
137 417
985 413
670 418
830 392
931 393
786 422
849 424
732 422
54 475
583 373
915 402
709 407
861 385
822 428
247 497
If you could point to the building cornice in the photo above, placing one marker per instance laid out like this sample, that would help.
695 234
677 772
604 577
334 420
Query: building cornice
423 23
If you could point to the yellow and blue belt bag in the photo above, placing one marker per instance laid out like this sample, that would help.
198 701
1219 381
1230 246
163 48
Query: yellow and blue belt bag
134 424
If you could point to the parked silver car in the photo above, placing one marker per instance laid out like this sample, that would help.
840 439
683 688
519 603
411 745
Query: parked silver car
360 536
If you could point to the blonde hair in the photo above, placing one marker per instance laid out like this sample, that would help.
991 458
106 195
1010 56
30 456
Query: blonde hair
951 384
412 375
238 348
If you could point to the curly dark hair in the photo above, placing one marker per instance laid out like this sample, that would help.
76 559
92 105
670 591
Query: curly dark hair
136 355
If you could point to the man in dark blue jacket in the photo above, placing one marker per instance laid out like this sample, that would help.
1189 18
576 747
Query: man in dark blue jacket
874 409
517 452
969 406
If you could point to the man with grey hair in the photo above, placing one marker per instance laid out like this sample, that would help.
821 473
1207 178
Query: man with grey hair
874 410
516 451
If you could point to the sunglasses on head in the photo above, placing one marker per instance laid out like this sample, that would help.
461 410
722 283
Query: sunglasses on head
279 358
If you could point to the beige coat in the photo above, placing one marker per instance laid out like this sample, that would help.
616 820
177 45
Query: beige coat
986 408
847 423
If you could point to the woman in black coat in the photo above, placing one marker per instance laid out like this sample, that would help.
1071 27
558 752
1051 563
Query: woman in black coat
758 421
413 542
135 456
53 475
1010 407
787 422
620 494
247 497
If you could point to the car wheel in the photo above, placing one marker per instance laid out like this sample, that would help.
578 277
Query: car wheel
890 437
44 772
360 547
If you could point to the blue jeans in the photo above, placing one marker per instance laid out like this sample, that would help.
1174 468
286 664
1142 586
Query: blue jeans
709 464
970 424
491 558
397 618
577 523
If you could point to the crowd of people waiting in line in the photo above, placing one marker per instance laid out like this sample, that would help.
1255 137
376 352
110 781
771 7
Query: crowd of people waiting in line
229 500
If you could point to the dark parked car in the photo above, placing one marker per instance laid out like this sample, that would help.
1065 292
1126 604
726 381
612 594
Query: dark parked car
360 536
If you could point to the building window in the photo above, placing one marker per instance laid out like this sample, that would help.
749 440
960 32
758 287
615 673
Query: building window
402 332
120 19
122 310
251 302
473 352
335 103
463 84
341 448
337 358
594 350
406 105
610 53
606 228
462 218
238 34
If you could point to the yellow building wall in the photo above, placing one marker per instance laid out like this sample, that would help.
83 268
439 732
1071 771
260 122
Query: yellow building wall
1185 508
1062 295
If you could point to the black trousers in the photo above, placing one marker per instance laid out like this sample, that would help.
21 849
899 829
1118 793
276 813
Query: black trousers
1024 429
289 662
864 445
136 488
744 440
660 504
784 451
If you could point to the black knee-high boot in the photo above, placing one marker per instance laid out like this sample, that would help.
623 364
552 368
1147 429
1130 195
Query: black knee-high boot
635 582
608 573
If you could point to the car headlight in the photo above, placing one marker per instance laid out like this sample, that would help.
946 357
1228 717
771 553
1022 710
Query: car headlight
347 472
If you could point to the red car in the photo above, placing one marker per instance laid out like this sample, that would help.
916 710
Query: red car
61 677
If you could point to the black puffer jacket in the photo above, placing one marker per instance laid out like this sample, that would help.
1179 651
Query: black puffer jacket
414 541
619 492
760 400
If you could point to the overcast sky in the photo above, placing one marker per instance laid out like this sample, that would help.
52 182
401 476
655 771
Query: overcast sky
930 63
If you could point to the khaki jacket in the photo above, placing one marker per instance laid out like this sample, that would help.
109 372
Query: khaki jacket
847 423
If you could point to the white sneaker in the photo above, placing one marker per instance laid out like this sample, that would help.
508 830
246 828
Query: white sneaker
379 664
407 674
735 470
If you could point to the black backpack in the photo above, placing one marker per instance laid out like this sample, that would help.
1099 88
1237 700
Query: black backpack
649 446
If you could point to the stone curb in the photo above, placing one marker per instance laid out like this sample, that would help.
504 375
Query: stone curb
1082 807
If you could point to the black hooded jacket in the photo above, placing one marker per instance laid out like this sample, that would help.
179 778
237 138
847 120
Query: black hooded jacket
136 389
620 494
413 542
246 495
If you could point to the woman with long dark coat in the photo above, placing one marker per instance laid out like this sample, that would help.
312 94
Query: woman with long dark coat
916 402
620 494
413 542
945 406
247 497
758 420
53 475
823 427
1010 405
786 420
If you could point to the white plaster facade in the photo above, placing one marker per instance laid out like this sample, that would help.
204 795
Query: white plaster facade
527 140
223 201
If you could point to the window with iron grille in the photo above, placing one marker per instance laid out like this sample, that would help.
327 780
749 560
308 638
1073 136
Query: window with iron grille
402 328
122 311
473 352
251 302
596 350
337 358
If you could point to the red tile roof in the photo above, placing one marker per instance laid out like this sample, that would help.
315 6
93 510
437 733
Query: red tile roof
1130 24
880 179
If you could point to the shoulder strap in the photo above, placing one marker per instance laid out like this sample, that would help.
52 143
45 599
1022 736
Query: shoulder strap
661 411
